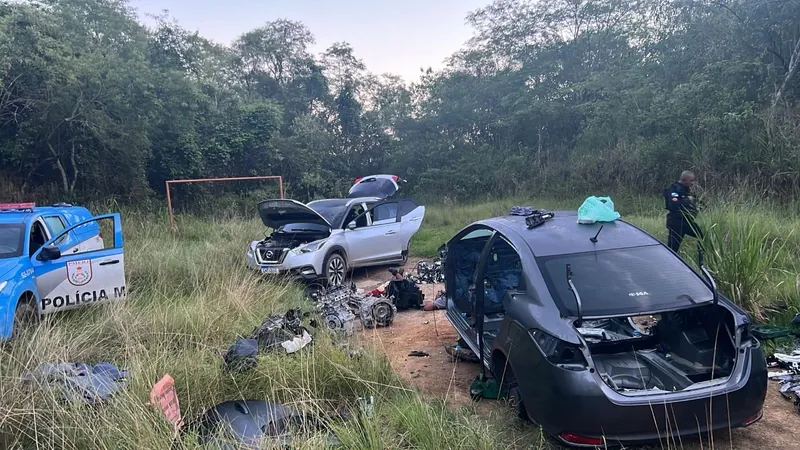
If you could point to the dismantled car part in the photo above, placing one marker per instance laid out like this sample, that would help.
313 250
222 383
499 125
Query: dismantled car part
459 352
376 312
252 424
340 305
404 292
80 382
276 329
430 271
538 218
242 355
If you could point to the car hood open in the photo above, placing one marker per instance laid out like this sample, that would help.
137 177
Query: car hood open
277 213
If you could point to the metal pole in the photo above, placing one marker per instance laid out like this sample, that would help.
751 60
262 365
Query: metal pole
169 206
280 184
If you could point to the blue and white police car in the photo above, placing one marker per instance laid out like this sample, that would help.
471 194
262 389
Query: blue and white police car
56 258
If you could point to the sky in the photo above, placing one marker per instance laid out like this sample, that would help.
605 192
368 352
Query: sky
390 36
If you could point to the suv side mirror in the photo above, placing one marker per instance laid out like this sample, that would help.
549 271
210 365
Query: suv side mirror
49 253
351 225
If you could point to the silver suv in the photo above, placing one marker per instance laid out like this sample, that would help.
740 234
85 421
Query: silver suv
324 239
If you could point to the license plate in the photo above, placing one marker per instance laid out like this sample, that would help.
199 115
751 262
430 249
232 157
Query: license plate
270 270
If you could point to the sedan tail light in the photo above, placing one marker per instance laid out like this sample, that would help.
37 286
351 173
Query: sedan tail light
577 439
557 351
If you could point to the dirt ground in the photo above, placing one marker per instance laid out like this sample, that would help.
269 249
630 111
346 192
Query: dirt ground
438 375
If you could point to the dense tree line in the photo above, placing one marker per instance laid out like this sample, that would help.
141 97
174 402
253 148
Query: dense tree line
560 97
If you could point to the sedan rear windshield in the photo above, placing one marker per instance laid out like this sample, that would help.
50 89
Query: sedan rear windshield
11 240
625 281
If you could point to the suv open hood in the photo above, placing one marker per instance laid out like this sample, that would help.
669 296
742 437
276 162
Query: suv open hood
277 213
379 186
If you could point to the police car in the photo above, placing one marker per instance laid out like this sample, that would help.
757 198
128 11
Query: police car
56 258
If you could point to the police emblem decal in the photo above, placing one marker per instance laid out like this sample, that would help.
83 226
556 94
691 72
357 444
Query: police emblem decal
79 273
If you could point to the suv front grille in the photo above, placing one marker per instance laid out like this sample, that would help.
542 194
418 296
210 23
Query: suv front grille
272 255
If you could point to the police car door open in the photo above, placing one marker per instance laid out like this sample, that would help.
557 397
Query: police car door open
90 277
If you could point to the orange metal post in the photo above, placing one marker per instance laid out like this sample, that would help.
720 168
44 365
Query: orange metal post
169 206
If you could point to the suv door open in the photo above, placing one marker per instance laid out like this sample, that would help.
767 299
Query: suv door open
411 216
89 277
372 241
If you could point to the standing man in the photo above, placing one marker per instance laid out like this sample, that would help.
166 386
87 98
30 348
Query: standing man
682 207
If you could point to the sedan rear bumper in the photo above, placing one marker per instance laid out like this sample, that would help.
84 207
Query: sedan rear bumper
576 410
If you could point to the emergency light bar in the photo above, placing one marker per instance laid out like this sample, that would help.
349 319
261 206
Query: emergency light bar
17 206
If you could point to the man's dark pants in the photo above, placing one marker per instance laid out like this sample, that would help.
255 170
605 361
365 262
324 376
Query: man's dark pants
680 228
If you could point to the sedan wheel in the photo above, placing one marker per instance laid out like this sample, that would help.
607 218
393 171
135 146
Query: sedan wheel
25 316
335 269
515 402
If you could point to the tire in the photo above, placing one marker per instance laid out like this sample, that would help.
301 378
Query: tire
25 316
406 254
335 269
513 395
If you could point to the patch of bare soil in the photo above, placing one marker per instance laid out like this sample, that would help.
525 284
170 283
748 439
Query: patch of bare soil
438 375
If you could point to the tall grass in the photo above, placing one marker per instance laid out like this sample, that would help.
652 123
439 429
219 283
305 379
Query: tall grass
190 297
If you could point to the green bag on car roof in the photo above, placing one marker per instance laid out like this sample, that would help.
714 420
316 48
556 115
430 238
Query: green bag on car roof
597 209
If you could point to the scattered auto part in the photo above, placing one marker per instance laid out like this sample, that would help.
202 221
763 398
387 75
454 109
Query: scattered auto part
340 306
252 424
80 382
242 355
403 291
276 329
376 312
462 353
430 271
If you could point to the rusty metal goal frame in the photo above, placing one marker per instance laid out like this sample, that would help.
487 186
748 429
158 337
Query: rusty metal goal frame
206 180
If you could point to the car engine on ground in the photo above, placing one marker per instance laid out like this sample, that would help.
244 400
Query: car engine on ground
341 305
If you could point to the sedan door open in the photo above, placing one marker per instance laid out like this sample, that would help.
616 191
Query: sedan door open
89 277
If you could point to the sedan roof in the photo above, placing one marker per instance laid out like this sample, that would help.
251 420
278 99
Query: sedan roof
563 234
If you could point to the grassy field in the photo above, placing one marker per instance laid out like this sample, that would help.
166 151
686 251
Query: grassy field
191 297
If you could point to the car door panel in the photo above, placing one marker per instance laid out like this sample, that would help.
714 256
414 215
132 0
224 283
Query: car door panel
377 241
89 277
411 215
464 258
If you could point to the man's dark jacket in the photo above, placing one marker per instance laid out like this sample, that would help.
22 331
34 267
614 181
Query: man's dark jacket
679 204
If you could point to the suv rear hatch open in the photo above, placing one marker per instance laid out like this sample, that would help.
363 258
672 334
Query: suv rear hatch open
375 186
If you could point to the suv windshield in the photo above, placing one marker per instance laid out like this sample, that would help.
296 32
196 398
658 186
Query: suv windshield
332 210
623 282
11 239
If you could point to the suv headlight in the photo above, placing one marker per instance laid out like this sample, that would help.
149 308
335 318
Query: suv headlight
308 248
3 285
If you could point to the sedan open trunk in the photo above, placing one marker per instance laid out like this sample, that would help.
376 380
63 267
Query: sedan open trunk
682 350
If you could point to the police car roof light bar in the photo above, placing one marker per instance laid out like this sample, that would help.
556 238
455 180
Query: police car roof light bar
17 206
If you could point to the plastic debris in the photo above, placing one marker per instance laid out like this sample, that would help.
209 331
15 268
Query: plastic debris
80 382
597 209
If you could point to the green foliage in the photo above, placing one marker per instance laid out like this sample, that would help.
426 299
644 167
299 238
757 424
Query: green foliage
744 257
561 98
